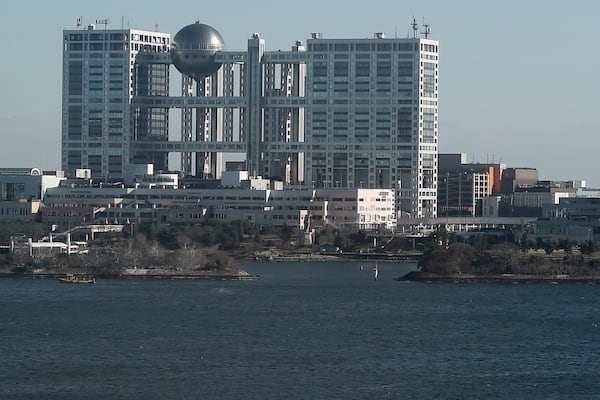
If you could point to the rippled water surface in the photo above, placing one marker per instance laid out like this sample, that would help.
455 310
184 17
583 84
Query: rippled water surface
304 331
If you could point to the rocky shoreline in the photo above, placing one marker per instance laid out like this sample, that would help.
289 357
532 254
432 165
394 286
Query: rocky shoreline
127 273
151 276
277 256
418 276
215 277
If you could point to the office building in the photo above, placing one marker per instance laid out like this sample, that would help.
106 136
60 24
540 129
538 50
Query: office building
463 186
22 191
334 113
372 117
102 74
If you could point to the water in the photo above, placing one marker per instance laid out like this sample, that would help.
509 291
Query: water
304 331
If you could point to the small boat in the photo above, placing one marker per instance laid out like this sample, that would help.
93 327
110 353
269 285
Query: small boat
70 278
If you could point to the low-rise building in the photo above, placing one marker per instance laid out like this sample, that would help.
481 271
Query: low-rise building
22 192
462 186
252 201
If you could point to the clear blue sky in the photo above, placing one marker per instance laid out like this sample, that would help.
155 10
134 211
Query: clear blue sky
518 79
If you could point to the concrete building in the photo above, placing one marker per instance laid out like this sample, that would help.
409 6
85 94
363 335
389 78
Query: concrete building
27 183
512 178
462 186
529 199
355 209
540 195
372 117
460 193
103 72
334 113
70 205
588 192
576 218
22 191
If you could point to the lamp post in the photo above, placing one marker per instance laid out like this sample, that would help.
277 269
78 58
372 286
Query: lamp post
589 239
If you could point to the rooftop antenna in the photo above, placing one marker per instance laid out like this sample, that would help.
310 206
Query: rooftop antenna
156 27
78 23
102 22
426 29
415 27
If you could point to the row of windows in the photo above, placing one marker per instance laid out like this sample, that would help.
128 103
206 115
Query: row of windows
364 68
362 56
115 37
382 46
10 211
115 47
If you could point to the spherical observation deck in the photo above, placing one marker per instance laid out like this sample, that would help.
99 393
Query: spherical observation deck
193 50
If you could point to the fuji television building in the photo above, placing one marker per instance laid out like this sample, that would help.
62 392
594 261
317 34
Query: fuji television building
331 113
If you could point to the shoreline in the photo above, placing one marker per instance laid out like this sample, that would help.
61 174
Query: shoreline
173 277
427 277
331 257
7 271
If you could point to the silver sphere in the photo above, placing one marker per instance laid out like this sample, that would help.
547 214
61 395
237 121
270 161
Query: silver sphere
193 50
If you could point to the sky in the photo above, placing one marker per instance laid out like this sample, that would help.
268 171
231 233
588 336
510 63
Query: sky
519 80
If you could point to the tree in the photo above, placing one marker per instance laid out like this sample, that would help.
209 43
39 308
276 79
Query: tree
588 247
457 258
549 246
524 244
339 241
286 233
442 235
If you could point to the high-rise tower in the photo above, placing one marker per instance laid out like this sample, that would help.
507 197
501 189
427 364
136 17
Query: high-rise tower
101 76
372 117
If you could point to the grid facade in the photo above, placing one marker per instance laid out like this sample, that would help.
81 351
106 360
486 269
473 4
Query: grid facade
100 78
373 109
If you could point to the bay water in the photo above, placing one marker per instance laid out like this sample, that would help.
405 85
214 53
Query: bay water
305 330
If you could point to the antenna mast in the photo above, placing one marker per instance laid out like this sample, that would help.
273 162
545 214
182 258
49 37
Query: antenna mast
426 29
102 22
415 28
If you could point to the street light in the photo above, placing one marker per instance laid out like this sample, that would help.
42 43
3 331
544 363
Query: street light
589 234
